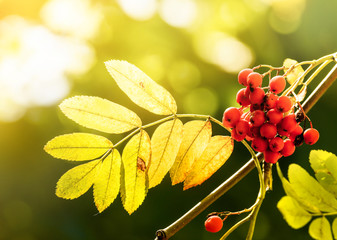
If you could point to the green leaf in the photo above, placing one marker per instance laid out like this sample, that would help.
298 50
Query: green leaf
195 139
141 89
165 144
318 159
308 188
107 181
334 228
78 146
302 201
293 213
136 157
100 114
77 180
294 73
320 229
213 157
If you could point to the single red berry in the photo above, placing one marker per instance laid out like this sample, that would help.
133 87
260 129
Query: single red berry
230 117
242 76
236 136
311 136
283 104
280 131
259 144
277 84
270 100
274 116
254 80
288 123
270 156
242 127
268 130
257 96
257 118
276 144
242 98
288 148
213 224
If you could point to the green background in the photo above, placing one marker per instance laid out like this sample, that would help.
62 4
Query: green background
29 209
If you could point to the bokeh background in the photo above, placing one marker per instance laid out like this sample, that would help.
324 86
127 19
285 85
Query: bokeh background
53 49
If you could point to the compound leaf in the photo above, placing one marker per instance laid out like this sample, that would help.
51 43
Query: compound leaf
107 181
294 73
195 139
165 143
213 157
334 228
78 146
100 114
320 229
77 180
293 213
136 157
308 188
141 89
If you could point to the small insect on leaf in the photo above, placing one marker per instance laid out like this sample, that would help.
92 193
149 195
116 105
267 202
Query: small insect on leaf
107 181
77 180
141 89
196 135
165 144
78 146
100 114
213 157
136 157
294 72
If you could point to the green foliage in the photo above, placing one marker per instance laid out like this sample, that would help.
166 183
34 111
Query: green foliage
187 150
308 198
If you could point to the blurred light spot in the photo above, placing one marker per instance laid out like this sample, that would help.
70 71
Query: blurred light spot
72 17
283 26
183 76
201 101
227 52
139 9
178 13
34 71
153 66
18 215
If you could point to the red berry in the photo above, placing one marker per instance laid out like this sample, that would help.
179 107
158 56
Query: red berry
274 116
277 84
242 77
254 107
298 130
280 131
311 136
242 98
283 104
276 144
288 123
288 148
213 224
268 130
270 100
270 156
257 118
236 136
254 80
257 96
259 144
242 127
254 131
231 116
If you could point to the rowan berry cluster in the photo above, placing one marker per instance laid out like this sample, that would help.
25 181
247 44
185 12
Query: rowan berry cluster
267 120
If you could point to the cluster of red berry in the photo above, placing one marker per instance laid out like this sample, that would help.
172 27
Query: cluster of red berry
266 119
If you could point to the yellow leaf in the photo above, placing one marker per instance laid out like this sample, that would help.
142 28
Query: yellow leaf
78 146
213 157
165 144
294 73
141 89
196 135
136 157
77 180
107 181
100 114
